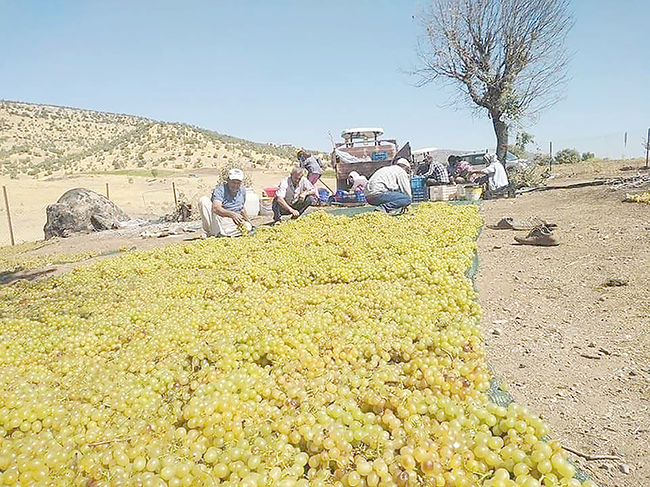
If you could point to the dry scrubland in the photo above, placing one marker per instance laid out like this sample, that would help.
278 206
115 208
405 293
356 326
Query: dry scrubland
46 150
40 140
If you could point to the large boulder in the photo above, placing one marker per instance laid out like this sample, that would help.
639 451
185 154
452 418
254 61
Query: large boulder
81 210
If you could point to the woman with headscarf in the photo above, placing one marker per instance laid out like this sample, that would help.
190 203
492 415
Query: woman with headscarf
357 182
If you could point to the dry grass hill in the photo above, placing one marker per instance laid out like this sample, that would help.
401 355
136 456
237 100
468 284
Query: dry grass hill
41 140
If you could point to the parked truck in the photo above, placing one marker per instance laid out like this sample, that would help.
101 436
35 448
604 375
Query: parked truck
362 151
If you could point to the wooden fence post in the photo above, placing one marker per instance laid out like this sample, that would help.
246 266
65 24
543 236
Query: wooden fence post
174 190
108 195
11 228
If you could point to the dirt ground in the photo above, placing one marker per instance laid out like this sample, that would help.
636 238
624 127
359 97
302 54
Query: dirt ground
570 347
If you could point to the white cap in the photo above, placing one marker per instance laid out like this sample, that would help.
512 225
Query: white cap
236 175
403 162
490 157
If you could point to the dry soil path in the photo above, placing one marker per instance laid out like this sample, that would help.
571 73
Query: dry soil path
570 347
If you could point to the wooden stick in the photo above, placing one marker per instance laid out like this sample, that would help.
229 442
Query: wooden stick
325 184
174 190
108 196
11 228
114 440
588 457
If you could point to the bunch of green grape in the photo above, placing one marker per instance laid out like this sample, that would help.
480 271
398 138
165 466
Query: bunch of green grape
640 198
328 351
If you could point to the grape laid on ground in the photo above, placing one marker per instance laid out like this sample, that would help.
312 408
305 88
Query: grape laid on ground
326 351
639 198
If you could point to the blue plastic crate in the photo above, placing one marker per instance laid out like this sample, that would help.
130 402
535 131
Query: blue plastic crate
419 189
324 195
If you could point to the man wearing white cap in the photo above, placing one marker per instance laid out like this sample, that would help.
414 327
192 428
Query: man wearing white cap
294 195
389 187
494 176
224 214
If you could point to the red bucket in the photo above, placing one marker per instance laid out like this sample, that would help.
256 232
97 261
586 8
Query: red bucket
270 191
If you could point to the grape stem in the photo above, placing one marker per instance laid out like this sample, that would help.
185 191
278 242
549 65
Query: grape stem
114 440
588 457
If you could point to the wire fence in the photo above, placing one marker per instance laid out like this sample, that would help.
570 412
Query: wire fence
615 145
23 212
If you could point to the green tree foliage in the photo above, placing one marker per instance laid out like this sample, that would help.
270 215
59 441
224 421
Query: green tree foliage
519 148
567 156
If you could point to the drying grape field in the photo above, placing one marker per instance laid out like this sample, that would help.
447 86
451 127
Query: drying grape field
325 351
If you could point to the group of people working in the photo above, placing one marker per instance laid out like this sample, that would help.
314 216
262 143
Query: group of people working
224 213
389 189
459 171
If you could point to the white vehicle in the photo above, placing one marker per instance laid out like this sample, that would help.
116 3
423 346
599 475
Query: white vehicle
512 161
419 156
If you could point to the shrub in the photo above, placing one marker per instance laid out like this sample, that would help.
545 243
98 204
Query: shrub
567 156
587 156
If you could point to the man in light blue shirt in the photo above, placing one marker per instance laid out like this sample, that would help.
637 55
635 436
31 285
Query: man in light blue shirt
224 213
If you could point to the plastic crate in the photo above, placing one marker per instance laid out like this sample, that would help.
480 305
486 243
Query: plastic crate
324 195
270 191
444 192
419 189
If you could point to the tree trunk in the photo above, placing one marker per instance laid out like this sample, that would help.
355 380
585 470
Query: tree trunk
501 131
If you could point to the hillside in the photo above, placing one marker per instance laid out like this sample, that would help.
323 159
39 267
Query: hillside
41 140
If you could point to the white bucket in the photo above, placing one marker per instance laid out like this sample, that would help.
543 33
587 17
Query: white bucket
473 193
252 204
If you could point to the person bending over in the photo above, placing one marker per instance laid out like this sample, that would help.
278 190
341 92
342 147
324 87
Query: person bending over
389 188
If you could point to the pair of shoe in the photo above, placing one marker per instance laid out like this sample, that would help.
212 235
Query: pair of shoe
540 236
507 223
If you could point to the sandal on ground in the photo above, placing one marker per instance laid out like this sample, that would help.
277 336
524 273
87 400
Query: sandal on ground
507 223
539 236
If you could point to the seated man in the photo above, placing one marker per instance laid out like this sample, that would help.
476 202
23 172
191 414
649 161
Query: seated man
436 174
493 177
224 214
294 195
389 187
460 171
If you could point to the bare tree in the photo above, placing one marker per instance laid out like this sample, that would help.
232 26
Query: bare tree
506 57
645 144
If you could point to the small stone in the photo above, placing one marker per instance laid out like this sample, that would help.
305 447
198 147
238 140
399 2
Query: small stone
522 366
496 331
592 345
623 467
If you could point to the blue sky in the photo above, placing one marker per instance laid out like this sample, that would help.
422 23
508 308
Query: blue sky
290 71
